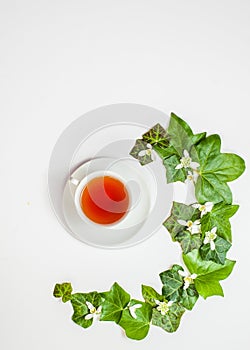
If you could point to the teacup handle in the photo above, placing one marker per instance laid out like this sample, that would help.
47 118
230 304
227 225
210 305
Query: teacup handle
74 181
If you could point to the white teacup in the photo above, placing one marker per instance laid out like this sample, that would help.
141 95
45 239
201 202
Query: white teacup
80 186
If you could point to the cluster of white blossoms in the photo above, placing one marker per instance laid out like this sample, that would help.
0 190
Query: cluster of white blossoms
147 152
192 226
187 163
188 279
93 311
210 236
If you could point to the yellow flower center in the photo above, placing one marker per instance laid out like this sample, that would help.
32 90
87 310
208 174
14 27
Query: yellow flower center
202 208
93 310
185 161
188 279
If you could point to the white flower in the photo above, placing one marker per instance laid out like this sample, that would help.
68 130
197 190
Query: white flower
93 312
186 162
163 306
204 208
192 176
210 237
132 309
192 226
147 152
188 279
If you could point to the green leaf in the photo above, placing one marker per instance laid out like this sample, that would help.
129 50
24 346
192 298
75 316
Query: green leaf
137 328
139 146
189 297
173 288
215 170
209 188
181 135
217 255
208 273
169 322
173 174
63 291
172 282
226 166
189 241
157 135
80 308
150 295
219 217
208 149
180 211
115 302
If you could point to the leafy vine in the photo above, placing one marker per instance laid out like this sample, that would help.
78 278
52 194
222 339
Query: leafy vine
202 229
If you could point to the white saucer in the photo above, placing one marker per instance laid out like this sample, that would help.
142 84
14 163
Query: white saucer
109 132
128 231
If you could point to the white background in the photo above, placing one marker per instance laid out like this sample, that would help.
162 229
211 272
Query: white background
62 58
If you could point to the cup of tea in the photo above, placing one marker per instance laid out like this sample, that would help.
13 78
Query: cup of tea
102 198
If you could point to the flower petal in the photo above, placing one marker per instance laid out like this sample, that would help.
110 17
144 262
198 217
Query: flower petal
214 229
98 311
89 305
186 285
206 240
182 273
212 245
170 303
185 153
157 302
209 206
182 222
142 153
132 312
89 316
195 229
194 165
197 222
193 276
179 166
149 146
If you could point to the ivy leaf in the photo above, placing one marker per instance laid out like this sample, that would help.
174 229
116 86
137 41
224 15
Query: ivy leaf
209 188
173 288
150 295
226 166
181 135
80 308
217 255
137 328
219 217
173 174
157 135
140 146
63 291
172 282
169 322
189 297
215 170
189 241
115 302
208 273
180 211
